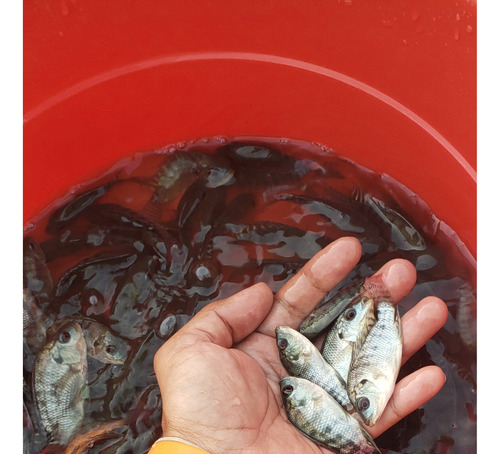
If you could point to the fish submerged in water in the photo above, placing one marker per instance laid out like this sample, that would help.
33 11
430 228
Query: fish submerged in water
302 359
181 169
375 365
101 343
403 233
322 419
59 382
350 328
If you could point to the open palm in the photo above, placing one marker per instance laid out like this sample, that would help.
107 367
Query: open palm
219 375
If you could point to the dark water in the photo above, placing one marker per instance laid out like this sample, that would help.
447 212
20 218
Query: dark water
163 234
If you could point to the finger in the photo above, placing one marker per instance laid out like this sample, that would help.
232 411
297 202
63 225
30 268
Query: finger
228 321
420 323
397 277
410 393
301 294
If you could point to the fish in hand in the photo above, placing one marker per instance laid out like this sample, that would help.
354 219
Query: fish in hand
375 365
322 419
350 328
301 358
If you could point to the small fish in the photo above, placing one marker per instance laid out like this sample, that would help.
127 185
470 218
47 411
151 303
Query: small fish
302 359
340 212
65 214
101 343
323 316
182 169
403 233
259 164
351 327
59 382
467 315
322 419
375 365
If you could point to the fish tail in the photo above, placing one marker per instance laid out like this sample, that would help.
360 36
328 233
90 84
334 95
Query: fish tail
369 439
374 287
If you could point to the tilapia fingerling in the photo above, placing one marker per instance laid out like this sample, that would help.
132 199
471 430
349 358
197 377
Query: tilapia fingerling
375 365
322 419
59 383
347 333
102 344
302 359
323 316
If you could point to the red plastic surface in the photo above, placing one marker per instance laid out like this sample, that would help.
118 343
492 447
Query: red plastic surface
391 85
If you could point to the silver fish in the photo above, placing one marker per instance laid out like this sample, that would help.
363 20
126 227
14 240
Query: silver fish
181 169
350 328
375 366
467 315
322 419
59 382
323 316
403 233
301 358
101 343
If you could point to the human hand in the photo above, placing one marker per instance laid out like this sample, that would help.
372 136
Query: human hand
219 375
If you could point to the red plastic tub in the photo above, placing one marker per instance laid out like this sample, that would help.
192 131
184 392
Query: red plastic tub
390 85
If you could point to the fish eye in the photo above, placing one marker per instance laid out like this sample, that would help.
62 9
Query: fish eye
287 389
350 314
363 403
111 349
64 337
282 344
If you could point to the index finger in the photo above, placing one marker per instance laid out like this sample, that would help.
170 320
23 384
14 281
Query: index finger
302 293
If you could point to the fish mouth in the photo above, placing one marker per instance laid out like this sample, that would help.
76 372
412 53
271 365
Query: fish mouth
286 386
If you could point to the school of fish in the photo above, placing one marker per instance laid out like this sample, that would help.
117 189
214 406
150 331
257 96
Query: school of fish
329 393
115 269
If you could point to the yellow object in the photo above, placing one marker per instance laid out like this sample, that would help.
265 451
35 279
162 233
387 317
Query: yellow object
174 447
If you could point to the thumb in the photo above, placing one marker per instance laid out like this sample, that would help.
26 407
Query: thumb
230 320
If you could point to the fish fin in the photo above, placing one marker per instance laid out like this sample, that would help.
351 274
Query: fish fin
152 209
360 340
369 439
397 322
